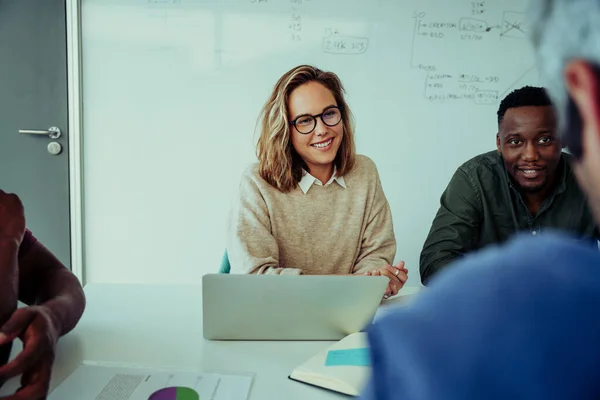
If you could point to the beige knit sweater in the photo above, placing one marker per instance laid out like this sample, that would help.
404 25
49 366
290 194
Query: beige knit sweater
328 230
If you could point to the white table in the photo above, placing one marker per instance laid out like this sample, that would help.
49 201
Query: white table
161 326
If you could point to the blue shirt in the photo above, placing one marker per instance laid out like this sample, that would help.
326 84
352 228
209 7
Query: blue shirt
521 321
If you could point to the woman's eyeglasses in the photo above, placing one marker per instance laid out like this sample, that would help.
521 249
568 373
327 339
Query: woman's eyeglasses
305 124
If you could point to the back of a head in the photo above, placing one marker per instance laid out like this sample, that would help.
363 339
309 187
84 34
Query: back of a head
563 30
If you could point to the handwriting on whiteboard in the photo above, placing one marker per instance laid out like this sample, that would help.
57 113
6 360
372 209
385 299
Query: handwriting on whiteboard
337 44
295 23
443 83
334 41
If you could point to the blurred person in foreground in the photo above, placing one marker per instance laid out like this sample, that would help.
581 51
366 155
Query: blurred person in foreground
53 296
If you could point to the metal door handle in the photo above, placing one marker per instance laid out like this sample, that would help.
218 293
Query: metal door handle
52 132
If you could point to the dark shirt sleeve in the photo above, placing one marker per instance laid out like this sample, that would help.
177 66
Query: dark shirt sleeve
456 226
28 241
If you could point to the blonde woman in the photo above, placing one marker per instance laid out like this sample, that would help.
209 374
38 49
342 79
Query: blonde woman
311 205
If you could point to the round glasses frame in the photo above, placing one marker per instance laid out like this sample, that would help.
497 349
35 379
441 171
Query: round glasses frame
305 131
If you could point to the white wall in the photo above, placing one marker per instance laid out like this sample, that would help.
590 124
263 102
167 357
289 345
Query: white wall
172 89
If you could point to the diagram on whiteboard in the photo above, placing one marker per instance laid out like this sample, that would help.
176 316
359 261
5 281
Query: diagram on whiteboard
512 25
464 51
475 35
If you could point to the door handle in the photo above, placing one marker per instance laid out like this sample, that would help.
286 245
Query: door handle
52 132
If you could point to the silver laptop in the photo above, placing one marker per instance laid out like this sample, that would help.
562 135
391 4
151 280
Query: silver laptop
273 307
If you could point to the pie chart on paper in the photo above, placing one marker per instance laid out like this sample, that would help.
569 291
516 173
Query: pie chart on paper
175 393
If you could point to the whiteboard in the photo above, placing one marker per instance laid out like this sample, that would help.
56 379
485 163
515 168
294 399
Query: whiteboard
172 90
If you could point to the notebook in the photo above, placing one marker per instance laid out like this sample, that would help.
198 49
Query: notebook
344 367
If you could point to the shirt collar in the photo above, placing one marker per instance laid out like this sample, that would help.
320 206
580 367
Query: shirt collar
308 180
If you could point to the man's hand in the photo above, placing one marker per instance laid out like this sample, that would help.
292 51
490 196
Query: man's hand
38 331
12 217
397 274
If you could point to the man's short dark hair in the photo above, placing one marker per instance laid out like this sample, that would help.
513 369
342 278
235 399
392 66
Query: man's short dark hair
523 97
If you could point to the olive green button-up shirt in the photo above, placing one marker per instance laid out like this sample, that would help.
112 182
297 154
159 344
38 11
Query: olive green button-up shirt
481 206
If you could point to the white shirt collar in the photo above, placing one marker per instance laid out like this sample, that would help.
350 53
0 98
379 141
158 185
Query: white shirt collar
308 180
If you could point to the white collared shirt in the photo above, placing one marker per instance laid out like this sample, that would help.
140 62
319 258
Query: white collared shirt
308 180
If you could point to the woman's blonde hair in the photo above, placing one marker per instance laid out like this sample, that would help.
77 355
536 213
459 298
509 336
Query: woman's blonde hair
279 163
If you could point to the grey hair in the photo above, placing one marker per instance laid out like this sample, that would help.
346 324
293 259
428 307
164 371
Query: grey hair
563 30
